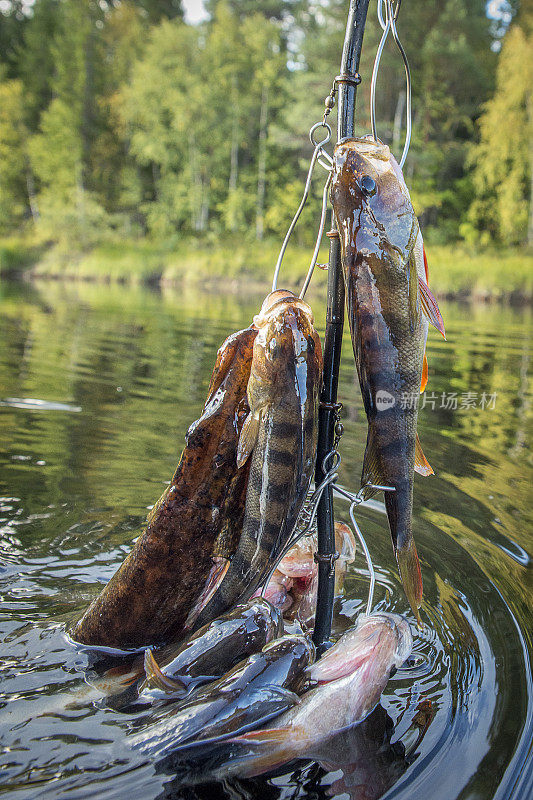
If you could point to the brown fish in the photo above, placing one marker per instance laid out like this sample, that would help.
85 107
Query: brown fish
192 530
389 306
278 440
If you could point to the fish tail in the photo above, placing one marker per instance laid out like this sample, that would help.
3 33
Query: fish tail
399 512
409 566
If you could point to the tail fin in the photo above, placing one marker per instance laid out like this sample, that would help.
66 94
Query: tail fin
409 567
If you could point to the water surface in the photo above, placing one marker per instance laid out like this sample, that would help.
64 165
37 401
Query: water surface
98 385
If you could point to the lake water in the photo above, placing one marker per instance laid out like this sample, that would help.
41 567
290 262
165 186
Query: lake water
98 385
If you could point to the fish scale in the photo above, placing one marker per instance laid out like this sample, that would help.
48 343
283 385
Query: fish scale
283 394
384 272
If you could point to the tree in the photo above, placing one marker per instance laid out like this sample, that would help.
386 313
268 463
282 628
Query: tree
14 166
156 10
503 160
35 58
61 152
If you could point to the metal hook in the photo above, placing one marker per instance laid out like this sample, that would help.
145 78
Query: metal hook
315 127
389 24
318 151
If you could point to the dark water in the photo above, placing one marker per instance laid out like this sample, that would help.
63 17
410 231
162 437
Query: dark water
98 386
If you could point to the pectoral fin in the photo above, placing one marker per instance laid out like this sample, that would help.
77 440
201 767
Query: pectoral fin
371 467
248 437
156 678
269 748
422 465
213 581
270 736
430 307
425 374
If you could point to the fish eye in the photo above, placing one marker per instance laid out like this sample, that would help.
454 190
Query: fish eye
368 186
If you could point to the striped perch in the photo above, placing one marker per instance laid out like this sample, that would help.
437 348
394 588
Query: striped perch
280 436
389 307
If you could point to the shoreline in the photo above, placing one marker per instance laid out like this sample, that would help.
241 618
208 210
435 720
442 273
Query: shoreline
456 273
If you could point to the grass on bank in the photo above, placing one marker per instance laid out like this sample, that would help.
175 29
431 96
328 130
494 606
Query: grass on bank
221 264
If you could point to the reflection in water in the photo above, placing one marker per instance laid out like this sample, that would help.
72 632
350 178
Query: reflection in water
75 489
360 763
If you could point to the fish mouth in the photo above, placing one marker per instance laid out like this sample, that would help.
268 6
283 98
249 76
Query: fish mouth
368 146
401 628
280 311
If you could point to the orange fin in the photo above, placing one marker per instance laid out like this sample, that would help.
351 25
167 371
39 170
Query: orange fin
409 567
275 746
425 374
213 581
156 678
425 263
268 736
248 438
430 307
371 467
422 465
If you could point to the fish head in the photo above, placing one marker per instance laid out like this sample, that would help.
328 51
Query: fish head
377 643
371 200
398 627
300 560
258 614
296 647
286 336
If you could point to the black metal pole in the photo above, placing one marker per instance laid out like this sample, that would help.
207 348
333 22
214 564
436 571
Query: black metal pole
347 83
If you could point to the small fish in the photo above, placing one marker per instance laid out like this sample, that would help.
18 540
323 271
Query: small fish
277 591
214 649
300 560
193 529
305 571
278 442
389 308
256 690
351 677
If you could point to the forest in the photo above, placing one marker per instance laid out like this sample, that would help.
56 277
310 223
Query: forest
121 123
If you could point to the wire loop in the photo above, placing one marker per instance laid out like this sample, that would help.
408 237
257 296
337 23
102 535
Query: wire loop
315 127
388 25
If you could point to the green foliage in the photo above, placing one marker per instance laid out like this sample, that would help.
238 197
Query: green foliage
503 160
13 155
117 117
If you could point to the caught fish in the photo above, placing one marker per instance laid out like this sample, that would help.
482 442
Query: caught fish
278 441
214 649
389 307
304 590
191 532
293 585
256 690
278 590
351 677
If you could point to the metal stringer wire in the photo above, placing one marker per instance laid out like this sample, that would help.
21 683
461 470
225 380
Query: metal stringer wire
388 25
330 479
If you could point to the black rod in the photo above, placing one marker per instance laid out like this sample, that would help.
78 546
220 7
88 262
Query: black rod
327 418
